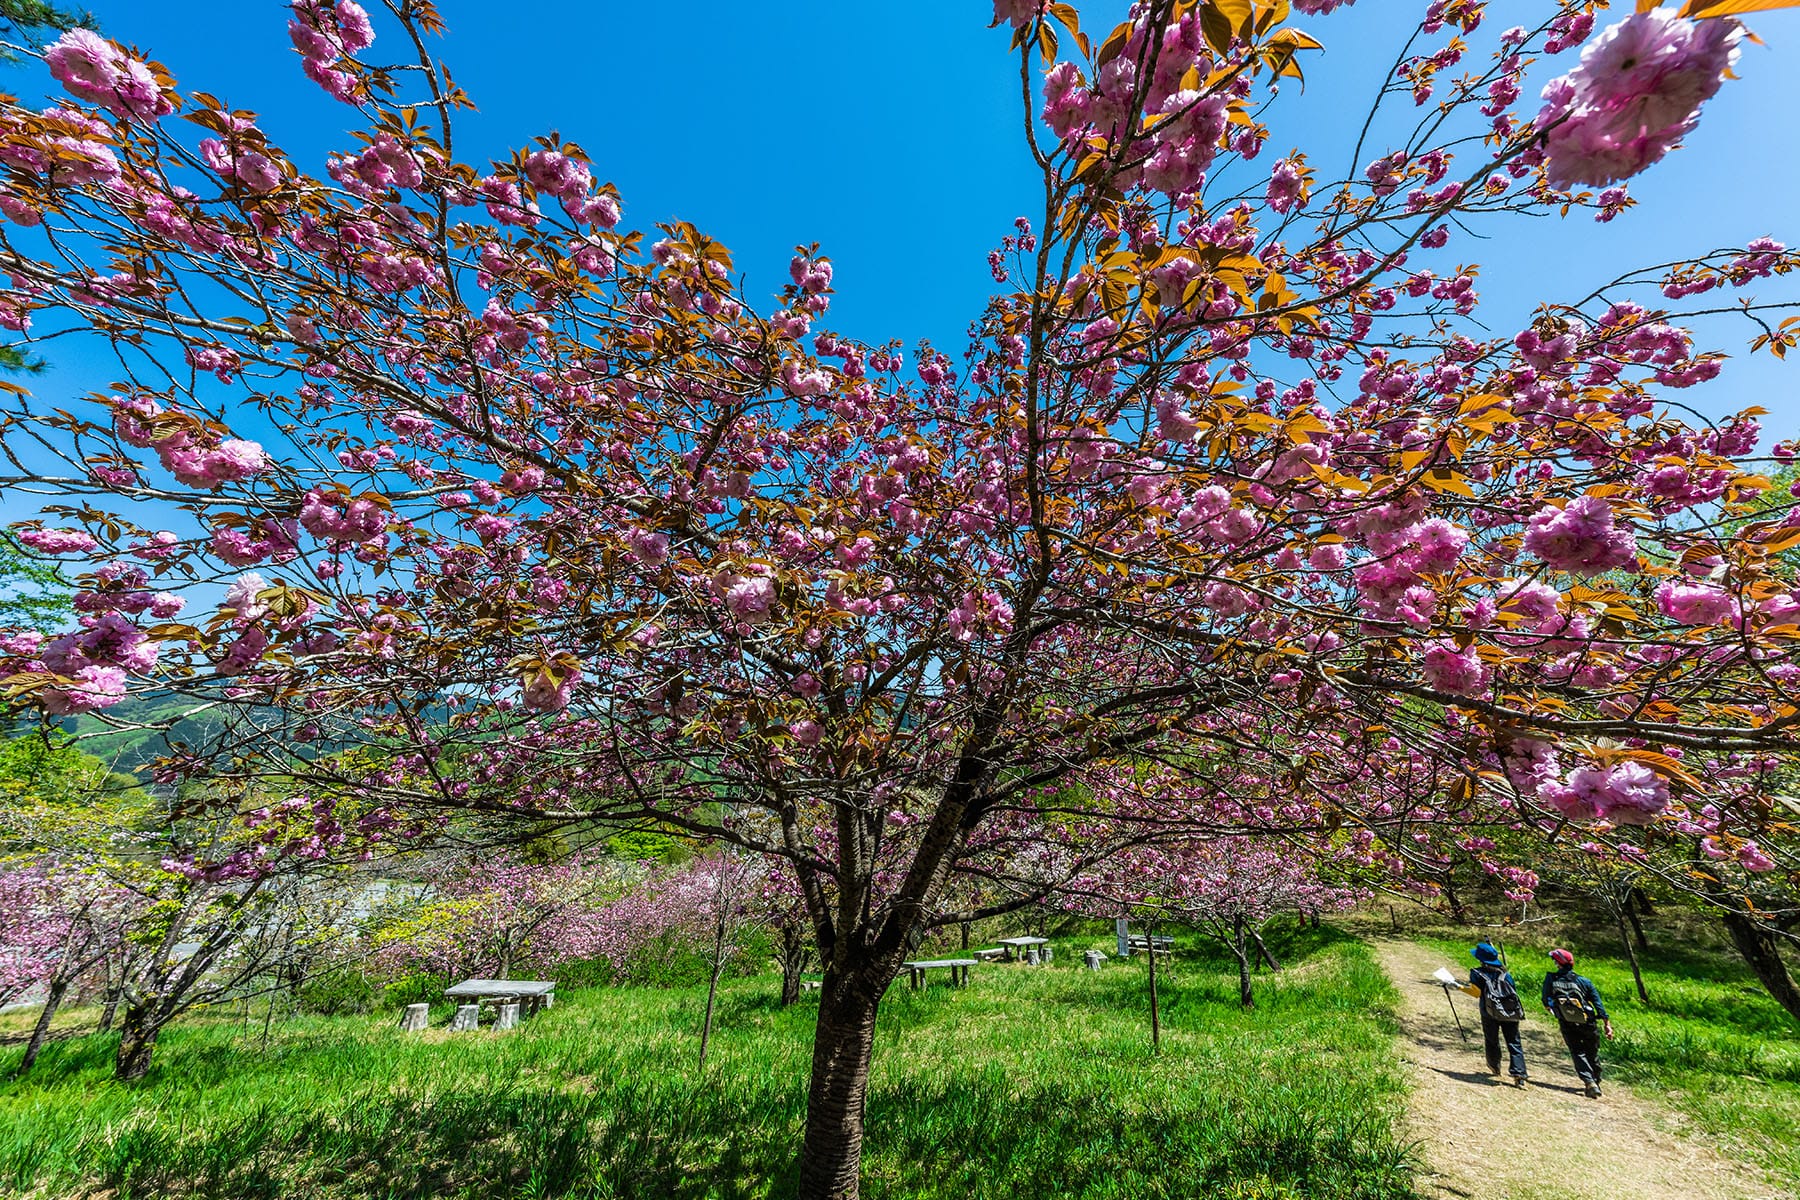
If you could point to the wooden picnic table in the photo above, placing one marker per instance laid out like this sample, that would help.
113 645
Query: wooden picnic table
1021 946
530 994
959 970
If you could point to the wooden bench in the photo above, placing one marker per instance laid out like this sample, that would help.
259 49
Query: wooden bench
959 970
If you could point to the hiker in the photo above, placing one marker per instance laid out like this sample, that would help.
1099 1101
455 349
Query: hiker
1575 1002
1501 1012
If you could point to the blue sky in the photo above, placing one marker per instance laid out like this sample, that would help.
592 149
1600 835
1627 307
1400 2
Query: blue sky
891 134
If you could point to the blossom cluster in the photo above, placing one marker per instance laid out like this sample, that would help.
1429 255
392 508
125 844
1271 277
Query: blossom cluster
195 455
1637 92
324 31
94 69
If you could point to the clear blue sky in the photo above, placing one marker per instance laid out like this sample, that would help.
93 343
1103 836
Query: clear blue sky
891 134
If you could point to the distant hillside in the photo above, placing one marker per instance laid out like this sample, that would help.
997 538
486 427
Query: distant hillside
132 749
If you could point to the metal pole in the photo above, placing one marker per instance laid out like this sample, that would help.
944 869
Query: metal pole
1453 1012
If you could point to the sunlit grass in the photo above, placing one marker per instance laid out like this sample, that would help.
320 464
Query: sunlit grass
1029 1082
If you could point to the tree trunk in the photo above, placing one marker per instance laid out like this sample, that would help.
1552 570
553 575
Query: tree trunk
1637 975
1637 926
843 1041
1643 902
718 955
794 951
110 1011
1761 953
1457 912
1240 947
712 997
1262 951
965 935
137 1043
52 1002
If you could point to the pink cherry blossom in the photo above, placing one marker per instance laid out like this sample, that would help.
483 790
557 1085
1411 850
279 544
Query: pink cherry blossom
1460 672
1638 90
1697 604
1580 538
93 68
57 541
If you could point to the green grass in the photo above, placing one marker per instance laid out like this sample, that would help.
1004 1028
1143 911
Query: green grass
1029 1082
1710 1042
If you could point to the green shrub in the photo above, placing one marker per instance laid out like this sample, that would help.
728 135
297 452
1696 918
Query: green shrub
413 989
339 993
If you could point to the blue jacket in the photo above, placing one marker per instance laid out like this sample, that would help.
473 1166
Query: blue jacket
1589 992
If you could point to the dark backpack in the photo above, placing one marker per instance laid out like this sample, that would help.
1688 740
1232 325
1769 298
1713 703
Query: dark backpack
1498 999
1570 1006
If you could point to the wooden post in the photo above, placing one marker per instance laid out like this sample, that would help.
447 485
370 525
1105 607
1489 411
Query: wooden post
1155 1013
415 1018
508 1018
468 1017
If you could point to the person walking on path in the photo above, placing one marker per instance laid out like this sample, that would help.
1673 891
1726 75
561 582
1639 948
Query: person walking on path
1501 1012
1575 1002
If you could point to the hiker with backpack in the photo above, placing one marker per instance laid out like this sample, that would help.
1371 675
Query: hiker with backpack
1501 1012
1575 1002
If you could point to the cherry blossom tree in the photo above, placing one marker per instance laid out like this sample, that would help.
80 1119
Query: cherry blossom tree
484 912
32 928
1229 888
60 925
560 525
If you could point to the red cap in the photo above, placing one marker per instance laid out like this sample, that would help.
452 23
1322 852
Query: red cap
1562 958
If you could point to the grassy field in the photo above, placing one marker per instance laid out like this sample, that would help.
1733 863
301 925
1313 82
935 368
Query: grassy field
1029 1082
1710 1043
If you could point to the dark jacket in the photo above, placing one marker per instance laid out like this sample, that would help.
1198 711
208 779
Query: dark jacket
1492 973
1589 992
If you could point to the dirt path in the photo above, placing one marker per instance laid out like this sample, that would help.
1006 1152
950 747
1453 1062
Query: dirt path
1481 1137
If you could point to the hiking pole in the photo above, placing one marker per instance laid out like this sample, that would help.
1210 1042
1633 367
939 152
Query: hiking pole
1446 981
1453 1012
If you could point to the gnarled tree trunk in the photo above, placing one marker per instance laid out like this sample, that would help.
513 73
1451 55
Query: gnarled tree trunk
1760 951
792 955
843 1041
137 1042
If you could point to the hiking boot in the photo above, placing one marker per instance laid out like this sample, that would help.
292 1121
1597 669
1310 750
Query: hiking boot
1593 1091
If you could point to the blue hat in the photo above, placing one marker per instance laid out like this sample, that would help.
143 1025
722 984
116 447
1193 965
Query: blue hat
1487 954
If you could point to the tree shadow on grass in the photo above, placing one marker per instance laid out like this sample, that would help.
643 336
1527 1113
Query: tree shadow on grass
627 1141
983 1137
